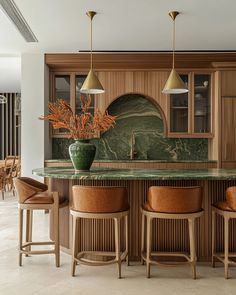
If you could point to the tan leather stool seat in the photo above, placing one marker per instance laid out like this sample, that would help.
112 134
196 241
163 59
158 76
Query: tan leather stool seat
222 205
33 195
165 199
173 203
27 187
94 203
31 191
231 197
230 203
43 198
99 199
226 209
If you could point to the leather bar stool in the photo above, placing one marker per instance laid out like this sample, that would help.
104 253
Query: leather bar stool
33 195
226 209
170 203
99 203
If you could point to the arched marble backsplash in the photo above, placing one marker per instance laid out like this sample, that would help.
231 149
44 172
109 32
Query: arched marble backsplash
135 113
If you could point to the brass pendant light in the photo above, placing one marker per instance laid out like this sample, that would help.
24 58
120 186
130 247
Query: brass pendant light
91 84
174 84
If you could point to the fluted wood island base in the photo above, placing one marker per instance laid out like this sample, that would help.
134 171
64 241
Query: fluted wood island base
168 235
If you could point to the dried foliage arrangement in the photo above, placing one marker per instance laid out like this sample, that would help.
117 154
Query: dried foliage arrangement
79 126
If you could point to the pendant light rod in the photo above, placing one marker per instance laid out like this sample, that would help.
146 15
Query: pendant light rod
174 84
91 85
91 15
173 15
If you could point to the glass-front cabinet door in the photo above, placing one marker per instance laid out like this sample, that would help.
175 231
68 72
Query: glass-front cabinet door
190 113
202 103
67 87
179 110
62 90
79 80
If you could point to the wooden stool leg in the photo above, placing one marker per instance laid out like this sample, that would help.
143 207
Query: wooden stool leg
28 235
127 238
117 243
74 251
56 230
226 258
149 244
142 238
213 238
191 223
20 234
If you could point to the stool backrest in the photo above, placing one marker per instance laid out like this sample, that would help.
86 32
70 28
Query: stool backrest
231 197
168 199
9 164
27 187
2 179
95 199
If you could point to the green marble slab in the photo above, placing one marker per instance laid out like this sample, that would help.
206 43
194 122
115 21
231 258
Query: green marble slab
137 174
135 113
134 161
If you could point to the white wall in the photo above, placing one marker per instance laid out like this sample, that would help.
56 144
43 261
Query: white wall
34 93
10 67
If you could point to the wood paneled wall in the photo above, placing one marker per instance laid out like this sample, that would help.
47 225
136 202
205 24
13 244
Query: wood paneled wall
228 119
9 127
143 82
228 83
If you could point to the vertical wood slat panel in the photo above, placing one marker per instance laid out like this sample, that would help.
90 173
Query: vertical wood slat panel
10 133
168 235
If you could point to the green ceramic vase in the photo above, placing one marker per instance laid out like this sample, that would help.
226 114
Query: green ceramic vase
82 154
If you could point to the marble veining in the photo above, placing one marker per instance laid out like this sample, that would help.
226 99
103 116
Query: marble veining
135 113
137 174
134 161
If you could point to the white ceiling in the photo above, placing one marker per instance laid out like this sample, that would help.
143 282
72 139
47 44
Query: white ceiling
62 26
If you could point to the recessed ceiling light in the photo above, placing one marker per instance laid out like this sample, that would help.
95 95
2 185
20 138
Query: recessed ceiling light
13 12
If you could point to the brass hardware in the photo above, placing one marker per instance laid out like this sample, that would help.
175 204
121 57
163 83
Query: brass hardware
91 84
173 14
91 14
174 84
132 152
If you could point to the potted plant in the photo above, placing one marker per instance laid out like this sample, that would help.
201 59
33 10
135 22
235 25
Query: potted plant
81 127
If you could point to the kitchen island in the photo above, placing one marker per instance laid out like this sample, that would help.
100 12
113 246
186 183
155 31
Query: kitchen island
168 235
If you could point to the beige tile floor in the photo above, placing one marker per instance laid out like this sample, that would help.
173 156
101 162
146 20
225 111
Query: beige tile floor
38 275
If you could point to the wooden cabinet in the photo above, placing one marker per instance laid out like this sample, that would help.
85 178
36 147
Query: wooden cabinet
186 115
228 83
190 114
67 86
228 132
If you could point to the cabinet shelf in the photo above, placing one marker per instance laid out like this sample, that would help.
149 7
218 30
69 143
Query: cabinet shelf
201 88
179 107
190 112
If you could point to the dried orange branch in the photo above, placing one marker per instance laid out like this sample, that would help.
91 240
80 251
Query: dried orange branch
79 126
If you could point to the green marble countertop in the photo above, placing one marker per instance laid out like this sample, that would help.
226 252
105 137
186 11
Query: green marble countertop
134 161
137 174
